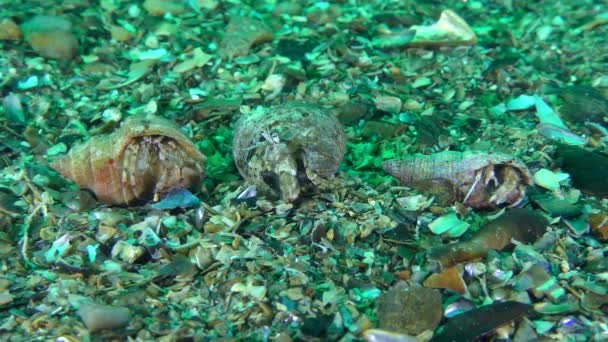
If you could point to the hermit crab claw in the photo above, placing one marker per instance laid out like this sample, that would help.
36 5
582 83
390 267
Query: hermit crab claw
485 180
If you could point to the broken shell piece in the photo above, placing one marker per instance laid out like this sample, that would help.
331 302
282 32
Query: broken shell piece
9 30
560 134
449 223
136 72
286 148
485 180
379 335
449 279
240 35
523 225
449 30
143 158
548 179
475 324
198 59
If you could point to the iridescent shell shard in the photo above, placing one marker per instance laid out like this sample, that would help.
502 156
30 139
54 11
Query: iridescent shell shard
485 180
145 157
288 148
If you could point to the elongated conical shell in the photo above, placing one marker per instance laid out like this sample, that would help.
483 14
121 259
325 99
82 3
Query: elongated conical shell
144 156
456 166
486 179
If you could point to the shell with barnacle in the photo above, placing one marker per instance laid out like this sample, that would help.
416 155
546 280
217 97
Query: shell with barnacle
289 148
483 180
145 157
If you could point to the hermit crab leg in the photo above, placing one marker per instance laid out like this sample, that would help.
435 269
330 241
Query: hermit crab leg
162 164
131 158
474 187
511 183
124 173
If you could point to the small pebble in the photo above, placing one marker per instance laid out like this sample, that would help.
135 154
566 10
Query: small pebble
162 7
422 82
54 44
9 30
152 42
241 34
119 34
13 108
412 105
100 316
391 104
134 11
521 103
41 23
30 82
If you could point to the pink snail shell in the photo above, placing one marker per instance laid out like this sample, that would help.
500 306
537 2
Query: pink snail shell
143 158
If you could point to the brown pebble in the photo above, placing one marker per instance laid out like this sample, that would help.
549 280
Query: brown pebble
410 310
54 44
241 34
351 112
97 69
162 7
9 30
119 34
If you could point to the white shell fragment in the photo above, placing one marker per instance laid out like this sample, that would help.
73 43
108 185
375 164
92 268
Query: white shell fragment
415 203
560 134
450 29
522 102
544 112
449 223
548 179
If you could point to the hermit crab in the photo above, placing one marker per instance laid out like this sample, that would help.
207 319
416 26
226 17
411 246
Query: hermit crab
483 180
144 158
288 148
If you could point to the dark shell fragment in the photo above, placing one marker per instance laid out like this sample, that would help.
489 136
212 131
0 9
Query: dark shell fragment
523 225
471 325
588 170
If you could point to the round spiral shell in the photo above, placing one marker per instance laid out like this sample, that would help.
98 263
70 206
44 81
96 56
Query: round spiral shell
143 158
285 147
